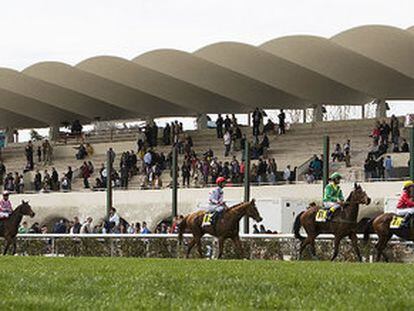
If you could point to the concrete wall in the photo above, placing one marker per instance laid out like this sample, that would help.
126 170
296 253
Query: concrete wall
153 205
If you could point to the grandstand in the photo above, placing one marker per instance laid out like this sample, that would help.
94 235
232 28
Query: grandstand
295 148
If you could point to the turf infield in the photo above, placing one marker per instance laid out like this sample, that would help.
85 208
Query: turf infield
39 283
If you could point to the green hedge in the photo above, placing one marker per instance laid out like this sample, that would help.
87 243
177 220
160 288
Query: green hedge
254 248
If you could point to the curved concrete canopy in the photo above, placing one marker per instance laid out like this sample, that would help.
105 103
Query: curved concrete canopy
134 103
345 66
390 46
280 73
215 78
9 119
171 90
135 99
46 98
70 98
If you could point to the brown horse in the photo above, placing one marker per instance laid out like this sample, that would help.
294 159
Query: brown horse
10 226
381 226
226 227
342 224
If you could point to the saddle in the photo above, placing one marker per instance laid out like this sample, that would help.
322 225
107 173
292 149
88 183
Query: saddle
322 215
210 219
400 222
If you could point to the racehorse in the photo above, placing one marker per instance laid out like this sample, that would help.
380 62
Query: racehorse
381 226
10 226
227 226
342 224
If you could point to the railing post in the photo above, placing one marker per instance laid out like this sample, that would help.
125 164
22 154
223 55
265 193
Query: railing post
246 182
411 129
108 183
174 181
325 174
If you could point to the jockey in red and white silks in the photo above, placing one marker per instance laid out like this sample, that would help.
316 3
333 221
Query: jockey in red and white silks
216 197
5 206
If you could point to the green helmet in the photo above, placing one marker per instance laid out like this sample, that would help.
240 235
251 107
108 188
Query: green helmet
336 175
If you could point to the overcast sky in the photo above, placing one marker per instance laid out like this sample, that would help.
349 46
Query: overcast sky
72 30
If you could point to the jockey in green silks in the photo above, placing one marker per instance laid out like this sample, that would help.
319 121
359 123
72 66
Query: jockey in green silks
333 197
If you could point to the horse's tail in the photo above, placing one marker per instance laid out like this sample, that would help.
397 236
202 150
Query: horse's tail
368 229
296 227
182 225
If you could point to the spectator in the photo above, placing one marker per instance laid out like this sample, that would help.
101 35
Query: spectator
395 130
69 177
404 146
185 174
227 143
272 171
35 228
227 124
39 154
75 229
347 146
255 229
257 119
114 220
54 180
29 155
60 227
2 172
261 171
388 167
82 153
219 126
287 174
85 173
145 229
282 122
87 226
38 181
24 228
337 154
47 152
347 159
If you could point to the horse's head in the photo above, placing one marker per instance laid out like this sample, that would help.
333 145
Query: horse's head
359 196
25 209
253 212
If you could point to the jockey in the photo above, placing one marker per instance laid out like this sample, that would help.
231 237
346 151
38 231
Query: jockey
5 206
405 204
216 198
333 197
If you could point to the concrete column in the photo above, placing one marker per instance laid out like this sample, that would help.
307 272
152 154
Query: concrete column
381 109
317 113
362 111
9 135
202 121
54 132
249 119
304 115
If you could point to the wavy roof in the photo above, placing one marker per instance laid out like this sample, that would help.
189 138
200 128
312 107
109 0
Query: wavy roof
351 68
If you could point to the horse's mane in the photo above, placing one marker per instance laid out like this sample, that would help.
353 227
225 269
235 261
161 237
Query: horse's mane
237 205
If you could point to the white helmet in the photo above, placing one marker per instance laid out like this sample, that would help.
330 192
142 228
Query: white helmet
6 192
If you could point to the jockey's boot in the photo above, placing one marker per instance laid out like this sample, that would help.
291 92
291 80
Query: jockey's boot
331 211
406 221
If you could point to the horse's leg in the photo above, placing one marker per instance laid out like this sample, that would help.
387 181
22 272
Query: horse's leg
14 246
337 241
199 248
190 246
312 247
239 247
381 245
354 240
6 247
221 246
304 243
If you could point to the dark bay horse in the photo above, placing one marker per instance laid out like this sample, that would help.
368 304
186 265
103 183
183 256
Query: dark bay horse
342 224
226 227
10 226
381 226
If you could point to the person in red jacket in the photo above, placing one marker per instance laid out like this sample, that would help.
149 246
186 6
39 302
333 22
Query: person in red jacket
405 205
